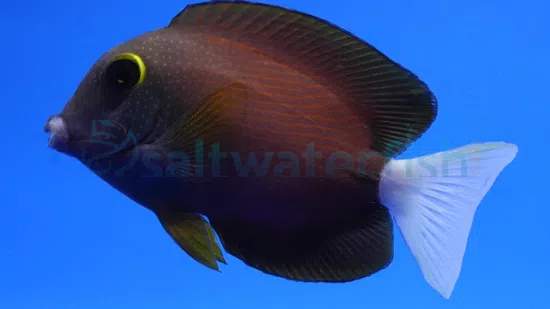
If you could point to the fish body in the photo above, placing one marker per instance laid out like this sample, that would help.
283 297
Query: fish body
281 129
293 125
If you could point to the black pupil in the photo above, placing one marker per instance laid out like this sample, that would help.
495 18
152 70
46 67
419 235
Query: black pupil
123 74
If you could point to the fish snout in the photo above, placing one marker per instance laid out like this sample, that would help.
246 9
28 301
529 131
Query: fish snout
56 127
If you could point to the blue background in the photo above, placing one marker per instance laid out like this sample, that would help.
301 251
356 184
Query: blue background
68 240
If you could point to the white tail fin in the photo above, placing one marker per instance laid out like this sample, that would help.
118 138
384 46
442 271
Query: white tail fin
433 200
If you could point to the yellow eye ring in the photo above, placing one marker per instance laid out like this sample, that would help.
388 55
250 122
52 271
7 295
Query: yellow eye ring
133 71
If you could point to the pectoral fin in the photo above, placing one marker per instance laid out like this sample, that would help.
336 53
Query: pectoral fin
195 236
219 115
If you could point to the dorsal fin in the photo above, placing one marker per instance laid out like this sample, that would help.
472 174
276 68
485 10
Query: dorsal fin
394 104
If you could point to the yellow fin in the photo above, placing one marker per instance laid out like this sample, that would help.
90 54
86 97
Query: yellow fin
217 117
195 236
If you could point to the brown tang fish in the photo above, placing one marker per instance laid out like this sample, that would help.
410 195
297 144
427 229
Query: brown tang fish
280 129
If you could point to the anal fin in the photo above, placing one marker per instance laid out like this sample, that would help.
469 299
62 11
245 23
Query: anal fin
357 248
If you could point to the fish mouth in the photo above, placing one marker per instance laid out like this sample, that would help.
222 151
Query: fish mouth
102 152
59 138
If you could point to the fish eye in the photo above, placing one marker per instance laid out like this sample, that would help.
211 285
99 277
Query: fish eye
125 71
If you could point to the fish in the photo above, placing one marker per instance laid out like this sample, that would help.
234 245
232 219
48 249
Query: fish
274 135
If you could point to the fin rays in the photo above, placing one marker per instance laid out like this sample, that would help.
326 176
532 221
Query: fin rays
369 80
435 213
